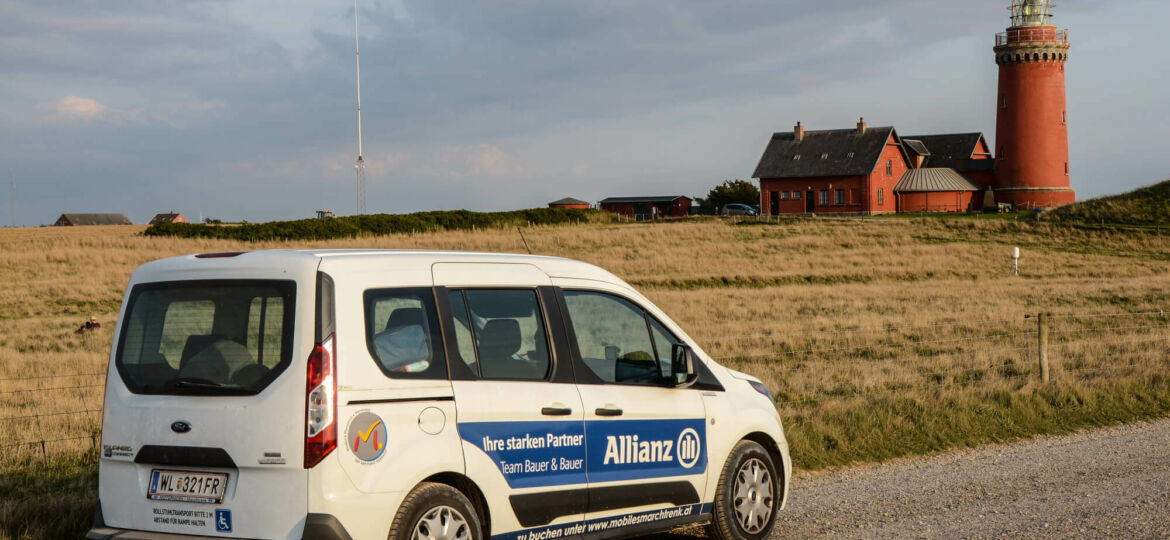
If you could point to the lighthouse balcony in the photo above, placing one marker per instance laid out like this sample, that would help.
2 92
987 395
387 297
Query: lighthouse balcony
1031 34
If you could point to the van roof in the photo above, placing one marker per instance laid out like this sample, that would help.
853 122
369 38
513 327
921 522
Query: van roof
553 266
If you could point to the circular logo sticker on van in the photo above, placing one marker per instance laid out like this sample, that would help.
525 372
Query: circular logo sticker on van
689 448
366 436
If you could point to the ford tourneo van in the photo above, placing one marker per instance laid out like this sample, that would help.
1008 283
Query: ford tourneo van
405 394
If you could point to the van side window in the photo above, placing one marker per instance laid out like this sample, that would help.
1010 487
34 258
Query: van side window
664 343
501 333
614 339
402 333
463 337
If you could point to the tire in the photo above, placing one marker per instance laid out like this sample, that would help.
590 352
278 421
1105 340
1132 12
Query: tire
436 511
748 478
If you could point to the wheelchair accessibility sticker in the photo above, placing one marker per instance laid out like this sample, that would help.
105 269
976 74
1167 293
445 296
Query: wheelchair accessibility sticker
223 521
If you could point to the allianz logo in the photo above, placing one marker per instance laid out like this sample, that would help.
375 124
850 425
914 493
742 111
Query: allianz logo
628 449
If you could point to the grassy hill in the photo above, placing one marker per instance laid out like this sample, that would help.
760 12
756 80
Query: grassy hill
1149 205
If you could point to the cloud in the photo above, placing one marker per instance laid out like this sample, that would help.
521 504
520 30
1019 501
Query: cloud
482 160
77 109
455 163
81 108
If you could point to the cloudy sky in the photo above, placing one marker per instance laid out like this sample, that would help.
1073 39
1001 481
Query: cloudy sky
244 109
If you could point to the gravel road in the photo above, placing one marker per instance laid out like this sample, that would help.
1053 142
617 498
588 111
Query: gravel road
1107 483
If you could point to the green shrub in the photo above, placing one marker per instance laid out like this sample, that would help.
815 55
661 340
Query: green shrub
376 224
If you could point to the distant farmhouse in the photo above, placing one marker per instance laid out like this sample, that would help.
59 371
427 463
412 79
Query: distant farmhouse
168 218
569 202
73 220
649 207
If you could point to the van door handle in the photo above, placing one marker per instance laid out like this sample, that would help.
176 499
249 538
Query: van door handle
556 411
607 412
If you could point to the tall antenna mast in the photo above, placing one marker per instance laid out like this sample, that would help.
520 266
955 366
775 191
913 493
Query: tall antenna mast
360 166
12 198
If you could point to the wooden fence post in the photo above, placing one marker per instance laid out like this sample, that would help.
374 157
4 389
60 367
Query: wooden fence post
1042 321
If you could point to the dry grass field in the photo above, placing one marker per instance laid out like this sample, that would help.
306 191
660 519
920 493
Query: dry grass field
880 338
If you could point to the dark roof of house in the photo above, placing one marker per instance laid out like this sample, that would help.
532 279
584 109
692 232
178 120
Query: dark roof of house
164 217
568 200
96 219
839 152
947 150
915 146
936 179
659 199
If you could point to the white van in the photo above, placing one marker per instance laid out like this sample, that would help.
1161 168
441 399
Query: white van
405 394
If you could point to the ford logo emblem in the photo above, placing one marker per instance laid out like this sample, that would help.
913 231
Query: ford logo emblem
180 427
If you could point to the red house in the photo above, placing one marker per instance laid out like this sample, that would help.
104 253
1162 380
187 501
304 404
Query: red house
845 171
867 171
936 190
169 217
966 153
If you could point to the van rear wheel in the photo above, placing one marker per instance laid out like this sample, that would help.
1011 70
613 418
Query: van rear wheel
747 497
435 511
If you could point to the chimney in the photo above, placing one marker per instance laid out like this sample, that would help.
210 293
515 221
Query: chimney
861 126
798 132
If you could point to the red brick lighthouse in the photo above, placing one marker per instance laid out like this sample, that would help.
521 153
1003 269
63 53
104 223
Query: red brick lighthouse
1031 131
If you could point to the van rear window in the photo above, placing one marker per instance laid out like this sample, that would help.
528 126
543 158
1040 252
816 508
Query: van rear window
222 337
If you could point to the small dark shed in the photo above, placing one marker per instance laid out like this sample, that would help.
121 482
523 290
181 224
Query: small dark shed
569 202
70 220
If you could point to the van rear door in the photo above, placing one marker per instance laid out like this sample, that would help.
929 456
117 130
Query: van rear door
204 423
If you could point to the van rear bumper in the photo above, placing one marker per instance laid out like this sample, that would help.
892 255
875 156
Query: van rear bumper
317 526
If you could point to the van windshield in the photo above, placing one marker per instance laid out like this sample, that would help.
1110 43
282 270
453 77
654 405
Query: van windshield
222 337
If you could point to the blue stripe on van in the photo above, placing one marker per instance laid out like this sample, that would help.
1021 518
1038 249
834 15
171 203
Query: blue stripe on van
567 452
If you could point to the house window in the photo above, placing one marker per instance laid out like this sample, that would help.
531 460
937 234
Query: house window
824 156
881 196
1064 118
839 197
795 195
889 167
1066 168
784 195
824 196
850 156
796 157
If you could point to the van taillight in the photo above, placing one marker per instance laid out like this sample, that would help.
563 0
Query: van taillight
321 404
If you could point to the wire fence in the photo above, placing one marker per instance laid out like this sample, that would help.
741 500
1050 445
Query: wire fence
832 366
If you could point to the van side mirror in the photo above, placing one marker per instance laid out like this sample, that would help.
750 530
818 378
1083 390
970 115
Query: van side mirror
682 366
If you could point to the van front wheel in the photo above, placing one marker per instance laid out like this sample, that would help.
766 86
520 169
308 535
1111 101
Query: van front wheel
436 512
746 499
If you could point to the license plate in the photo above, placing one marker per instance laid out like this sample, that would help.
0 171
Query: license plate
186 486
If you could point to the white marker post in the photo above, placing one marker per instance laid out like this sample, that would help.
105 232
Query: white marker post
1016 260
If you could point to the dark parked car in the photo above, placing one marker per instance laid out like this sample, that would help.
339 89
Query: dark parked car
736 209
